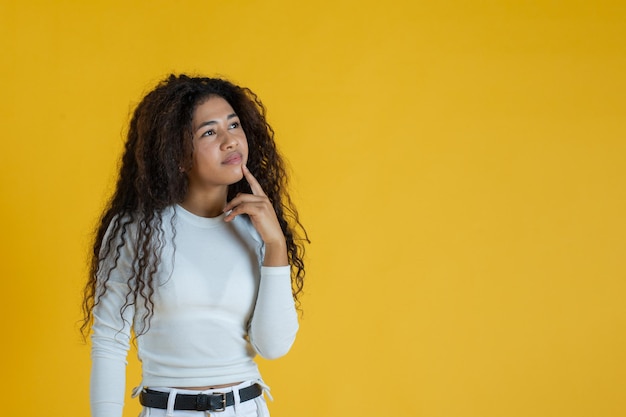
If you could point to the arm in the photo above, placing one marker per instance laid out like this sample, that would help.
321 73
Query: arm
274 324
261 212
111 336
110 343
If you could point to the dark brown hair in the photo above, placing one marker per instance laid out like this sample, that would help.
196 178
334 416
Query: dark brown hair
158 145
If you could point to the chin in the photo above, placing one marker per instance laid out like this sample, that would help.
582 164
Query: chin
237 179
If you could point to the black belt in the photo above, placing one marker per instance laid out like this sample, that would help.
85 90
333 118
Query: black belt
217 401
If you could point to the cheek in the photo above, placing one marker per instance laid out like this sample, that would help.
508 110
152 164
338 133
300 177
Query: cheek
205 155
244 145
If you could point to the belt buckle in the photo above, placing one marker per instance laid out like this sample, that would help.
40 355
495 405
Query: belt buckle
223 401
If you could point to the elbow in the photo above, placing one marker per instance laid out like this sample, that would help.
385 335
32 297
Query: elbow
274 348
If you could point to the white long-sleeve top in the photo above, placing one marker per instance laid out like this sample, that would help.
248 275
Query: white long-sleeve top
215 308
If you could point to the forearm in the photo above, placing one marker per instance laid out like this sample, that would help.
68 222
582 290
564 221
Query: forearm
107 387
276 253
275 321
110 343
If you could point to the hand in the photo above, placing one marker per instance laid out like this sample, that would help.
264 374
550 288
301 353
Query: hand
261 212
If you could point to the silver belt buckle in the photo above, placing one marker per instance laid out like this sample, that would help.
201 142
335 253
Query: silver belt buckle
223 401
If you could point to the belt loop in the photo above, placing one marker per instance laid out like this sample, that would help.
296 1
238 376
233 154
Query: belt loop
236 398
171 399
266 389
137 390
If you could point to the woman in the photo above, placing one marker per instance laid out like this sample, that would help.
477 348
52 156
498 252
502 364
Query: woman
197 254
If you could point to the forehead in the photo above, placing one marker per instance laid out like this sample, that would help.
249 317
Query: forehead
213 107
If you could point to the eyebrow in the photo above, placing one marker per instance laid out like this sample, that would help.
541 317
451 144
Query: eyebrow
214 122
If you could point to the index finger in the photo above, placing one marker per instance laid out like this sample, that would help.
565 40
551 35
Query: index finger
254 184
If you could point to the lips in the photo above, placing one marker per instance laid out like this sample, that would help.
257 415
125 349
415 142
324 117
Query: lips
233 159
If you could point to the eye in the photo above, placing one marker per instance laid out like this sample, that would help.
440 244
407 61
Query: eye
209 132
234 125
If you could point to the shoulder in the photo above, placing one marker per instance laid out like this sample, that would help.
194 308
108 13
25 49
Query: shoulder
243 225
129 228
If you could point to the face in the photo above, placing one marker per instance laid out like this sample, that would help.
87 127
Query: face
219 146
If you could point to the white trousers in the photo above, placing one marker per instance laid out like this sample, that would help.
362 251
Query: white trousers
256 407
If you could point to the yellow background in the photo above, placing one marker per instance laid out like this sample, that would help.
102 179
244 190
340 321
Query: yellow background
460 167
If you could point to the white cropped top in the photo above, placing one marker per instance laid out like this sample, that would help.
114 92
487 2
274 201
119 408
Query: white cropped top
215 308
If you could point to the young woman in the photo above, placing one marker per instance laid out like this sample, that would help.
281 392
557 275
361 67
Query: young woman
196 254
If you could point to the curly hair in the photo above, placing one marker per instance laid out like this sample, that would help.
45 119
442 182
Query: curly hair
158 152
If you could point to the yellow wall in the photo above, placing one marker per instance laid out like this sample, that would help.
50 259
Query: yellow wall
460 167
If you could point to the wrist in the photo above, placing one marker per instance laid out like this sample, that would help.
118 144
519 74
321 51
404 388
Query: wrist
276 254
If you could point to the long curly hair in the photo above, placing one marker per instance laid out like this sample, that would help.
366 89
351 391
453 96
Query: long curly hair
158 152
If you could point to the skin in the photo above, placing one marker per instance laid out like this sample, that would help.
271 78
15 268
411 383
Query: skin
220 149
219 157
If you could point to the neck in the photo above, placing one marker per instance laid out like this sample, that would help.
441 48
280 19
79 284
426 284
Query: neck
206 203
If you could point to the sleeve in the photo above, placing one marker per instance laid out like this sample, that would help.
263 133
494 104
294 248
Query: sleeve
110 342
274 323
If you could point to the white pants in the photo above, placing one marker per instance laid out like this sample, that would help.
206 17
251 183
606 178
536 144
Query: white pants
256 407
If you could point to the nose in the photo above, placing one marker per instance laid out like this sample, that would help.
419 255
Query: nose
228 140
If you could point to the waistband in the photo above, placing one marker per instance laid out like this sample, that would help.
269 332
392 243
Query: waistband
212 400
